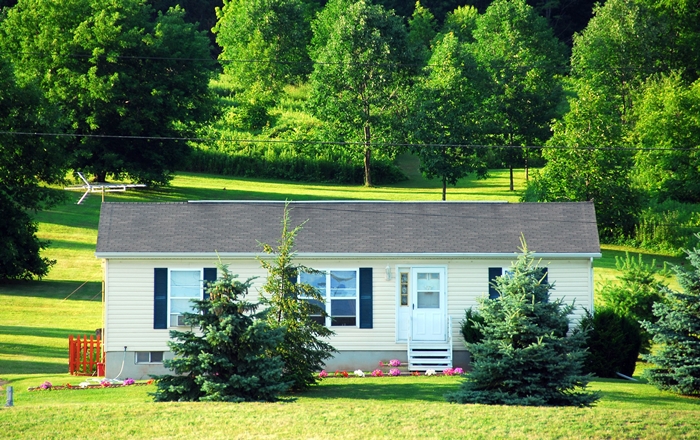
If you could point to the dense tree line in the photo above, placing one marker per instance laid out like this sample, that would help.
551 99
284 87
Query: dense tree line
609 103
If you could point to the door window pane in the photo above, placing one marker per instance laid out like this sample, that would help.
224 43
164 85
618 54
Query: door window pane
428 300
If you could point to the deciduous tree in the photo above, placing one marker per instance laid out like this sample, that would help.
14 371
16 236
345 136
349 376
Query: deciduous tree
445 115
264 43
358 75
26 163
128 81
525 62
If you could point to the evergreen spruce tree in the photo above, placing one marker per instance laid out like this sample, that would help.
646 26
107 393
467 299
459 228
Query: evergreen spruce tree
290 307
526 357
229 358
677 333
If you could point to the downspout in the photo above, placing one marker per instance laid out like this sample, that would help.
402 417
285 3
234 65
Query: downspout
591 287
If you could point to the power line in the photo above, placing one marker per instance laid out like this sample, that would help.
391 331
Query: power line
341 143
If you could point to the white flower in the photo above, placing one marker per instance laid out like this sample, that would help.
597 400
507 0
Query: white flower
359 373
430 373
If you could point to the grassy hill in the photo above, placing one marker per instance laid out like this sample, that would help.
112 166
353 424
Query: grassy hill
36 318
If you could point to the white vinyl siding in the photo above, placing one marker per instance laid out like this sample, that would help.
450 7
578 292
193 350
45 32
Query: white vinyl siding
129 296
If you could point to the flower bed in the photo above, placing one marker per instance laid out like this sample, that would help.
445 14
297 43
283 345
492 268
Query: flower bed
48 386
393 371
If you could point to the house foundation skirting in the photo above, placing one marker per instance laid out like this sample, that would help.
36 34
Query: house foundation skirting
365 360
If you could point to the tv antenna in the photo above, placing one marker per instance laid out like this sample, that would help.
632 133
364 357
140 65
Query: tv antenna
101 188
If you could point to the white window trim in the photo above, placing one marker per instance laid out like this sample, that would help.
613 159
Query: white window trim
327 299
150 356
201 288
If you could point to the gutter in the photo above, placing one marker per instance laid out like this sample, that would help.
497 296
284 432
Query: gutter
339 256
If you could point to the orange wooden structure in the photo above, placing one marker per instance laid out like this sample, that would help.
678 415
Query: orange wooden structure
84 354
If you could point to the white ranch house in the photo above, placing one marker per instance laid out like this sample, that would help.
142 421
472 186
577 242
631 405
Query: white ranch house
398 275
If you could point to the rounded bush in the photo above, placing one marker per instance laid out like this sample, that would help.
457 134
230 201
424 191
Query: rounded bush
614 342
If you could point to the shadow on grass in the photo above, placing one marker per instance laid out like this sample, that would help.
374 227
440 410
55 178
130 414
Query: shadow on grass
651 402
29 367
71 245
8 348
54 289
42 332
383 391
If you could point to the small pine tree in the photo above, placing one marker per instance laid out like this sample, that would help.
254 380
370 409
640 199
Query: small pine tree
677 334
290 307
526 357
634 293
228 360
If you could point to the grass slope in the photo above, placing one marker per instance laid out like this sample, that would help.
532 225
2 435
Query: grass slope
354 408
37 317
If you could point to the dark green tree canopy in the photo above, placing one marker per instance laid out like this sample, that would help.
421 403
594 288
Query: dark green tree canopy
121 75
26 163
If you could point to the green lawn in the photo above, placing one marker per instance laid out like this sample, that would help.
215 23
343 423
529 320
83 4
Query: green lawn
37 317
355 408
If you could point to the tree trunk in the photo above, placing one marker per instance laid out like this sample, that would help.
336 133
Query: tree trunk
511 177
527 168
100 176
444 188
368 156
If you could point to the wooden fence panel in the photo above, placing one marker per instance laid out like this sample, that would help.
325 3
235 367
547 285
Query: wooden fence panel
84 354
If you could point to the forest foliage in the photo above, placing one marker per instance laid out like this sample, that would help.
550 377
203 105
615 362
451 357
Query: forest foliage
604 98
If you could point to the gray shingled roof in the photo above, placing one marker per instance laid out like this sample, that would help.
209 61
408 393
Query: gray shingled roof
348 227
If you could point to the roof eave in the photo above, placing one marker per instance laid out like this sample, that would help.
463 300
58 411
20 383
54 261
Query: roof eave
344 256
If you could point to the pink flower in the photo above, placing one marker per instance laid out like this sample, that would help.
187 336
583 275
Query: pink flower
448 371
46 385
377 373
458 370
381 364
322 374
395 363
128 381
395 372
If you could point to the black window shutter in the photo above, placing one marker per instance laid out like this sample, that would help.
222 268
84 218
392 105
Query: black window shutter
160 298
365 297
209 276
493 273
545 280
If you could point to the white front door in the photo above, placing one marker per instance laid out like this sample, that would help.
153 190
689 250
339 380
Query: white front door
428 294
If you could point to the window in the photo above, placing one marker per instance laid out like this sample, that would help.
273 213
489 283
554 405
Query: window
339 288
506 271
404 288
184 286
149 357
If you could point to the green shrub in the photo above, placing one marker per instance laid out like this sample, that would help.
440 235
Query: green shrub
613 342
668 227
276 163
634 293
471 326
